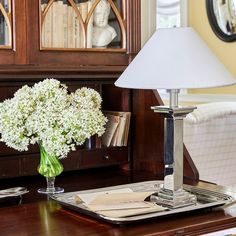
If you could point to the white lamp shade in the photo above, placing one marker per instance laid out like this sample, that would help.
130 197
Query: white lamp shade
175 58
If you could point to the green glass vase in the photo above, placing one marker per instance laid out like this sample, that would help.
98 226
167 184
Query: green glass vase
49 167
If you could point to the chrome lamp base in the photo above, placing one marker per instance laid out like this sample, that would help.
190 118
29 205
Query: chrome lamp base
174 199
172 194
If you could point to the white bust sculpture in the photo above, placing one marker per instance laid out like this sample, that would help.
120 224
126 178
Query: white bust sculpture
103 33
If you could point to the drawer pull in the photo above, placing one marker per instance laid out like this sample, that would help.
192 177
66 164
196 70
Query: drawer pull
106 157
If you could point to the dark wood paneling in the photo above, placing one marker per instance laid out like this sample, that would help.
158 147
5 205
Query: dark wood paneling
134 27
9 167
115 98
147 133
28 164
19 73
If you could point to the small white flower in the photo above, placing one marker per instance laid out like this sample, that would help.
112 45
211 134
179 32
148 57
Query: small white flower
47 114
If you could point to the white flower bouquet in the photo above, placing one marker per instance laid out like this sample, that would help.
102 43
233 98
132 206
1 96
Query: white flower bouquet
48 115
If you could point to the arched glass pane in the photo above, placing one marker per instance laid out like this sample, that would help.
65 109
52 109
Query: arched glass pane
5 24
61 27
113 22
79 24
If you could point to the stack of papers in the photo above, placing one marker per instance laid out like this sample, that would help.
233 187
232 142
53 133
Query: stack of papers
119 203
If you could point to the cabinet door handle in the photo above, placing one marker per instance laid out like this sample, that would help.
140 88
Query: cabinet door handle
106 157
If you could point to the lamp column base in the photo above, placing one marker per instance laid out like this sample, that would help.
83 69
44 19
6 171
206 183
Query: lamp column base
174 199
172 194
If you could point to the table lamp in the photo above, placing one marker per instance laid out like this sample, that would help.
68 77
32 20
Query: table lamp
174 59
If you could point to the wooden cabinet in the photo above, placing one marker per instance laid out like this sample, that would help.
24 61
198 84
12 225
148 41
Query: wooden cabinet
32 23
14 163
69 43
34 56
30 58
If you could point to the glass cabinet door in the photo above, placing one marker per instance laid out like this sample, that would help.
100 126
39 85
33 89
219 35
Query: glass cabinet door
5 24
83 25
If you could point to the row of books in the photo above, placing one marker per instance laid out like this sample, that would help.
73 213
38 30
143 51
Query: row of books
61 27
117 128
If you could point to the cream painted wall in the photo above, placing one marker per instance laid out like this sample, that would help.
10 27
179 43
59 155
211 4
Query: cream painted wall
226 52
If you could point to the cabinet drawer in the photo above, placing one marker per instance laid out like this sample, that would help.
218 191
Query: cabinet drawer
26 165
103 157
9 167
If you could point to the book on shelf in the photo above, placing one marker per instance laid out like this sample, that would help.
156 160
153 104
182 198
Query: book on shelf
57 25
47 29
117 128
71 27
111 128
65 25
61 27
93 142
77 31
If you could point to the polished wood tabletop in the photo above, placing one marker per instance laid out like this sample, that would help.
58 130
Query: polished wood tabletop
49 218
39 216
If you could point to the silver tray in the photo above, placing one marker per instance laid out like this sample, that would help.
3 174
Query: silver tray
205 199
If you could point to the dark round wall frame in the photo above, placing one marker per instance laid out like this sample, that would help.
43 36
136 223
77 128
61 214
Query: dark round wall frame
228 33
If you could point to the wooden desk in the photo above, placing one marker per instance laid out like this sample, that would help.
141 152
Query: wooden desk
41 217
48 218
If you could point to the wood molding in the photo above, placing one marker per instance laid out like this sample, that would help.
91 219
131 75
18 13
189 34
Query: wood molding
134 26
34 73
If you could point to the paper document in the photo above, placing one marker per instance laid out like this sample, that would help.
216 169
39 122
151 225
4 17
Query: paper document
119 203
120 206
118 198
132 212
89 197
